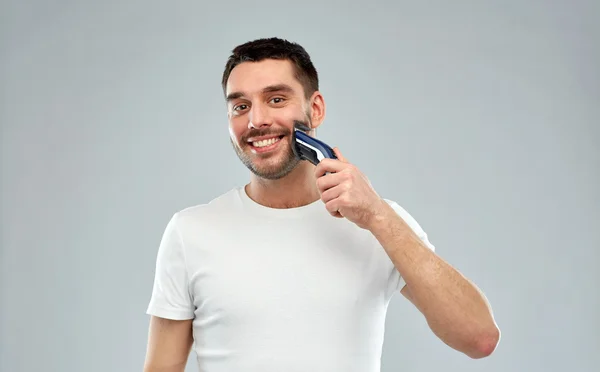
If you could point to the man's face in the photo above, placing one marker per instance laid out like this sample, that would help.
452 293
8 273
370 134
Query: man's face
263 100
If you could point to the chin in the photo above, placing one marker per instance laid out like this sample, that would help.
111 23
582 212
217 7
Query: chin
272 169
274 164
274 172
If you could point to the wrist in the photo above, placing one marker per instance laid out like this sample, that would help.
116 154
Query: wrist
383 219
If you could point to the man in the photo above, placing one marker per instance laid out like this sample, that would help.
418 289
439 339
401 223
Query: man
295 270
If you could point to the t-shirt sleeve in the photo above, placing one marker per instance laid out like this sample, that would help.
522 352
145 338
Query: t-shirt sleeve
171 298
396 279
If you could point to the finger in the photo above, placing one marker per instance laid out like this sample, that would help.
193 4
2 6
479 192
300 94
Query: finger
329 165
330 180
333 208
339 155
333 193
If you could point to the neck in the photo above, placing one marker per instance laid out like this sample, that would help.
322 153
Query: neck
297 189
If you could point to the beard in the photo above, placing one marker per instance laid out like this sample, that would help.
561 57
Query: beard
272 166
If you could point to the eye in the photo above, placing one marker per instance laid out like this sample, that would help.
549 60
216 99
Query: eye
240 107
277 100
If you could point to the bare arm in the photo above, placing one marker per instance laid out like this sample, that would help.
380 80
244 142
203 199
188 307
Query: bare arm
169 345
455 309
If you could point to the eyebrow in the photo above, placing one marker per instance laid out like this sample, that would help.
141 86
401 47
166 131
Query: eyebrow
269 89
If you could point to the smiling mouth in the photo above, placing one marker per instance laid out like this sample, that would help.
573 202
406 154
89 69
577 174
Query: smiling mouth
266 142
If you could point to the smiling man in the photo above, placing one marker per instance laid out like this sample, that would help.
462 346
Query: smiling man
295 270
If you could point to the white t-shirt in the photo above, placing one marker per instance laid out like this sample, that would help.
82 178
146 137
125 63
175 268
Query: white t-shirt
273 290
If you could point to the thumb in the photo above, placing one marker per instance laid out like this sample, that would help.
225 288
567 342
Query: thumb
339 155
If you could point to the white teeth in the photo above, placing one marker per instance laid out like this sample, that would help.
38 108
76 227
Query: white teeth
266 142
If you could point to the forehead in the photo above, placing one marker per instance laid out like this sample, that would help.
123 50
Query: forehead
251 77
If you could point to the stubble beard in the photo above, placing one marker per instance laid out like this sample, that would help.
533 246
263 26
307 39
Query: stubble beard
277 169
274 171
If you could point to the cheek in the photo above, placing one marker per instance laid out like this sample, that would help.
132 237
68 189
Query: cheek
237 128
285 117
289 113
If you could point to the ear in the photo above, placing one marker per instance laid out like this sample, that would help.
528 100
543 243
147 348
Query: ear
317 109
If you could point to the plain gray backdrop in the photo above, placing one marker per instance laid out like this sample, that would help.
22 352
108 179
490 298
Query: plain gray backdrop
481 118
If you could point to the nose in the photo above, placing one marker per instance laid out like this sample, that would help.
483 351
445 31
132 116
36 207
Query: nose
258 117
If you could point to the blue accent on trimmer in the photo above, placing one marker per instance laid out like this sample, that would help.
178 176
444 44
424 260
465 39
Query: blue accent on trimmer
309 148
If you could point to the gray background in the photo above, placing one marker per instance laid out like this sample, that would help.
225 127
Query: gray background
480 118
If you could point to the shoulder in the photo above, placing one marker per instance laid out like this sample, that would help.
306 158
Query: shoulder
211 211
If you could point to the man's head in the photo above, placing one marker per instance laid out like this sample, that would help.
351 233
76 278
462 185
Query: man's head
268 84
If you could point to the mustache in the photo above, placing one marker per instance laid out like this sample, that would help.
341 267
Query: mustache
265 132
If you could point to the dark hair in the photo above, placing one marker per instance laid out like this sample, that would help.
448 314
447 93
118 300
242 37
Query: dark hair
275 48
